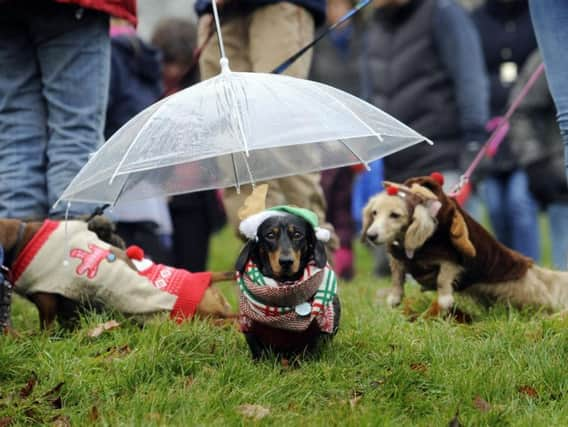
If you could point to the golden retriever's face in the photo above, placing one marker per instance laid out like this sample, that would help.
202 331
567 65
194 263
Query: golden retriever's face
385 219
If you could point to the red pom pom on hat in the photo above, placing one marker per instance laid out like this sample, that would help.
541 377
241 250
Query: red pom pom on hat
438 177
392 191
135 252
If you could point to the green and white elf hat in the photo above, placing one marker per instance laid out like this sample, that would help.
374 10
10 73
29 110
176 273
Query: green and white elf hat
249 226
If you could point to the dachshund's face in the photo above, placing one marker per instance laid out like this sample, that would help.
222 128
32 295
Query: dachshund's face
385 218
285 246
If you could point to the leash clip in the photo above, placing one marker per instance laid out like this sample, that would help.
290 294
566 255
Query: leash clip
462 181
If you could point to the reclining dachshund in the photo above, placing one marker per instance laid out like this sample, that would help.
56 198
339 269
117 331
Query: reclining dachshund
431 237
61 266
288 301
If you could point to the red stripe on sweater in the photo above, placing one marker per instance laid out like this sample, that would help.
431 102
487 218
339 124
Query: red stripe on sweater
29 252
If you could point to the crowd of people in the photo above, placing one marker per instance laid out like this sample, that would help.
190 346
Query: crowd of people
446 71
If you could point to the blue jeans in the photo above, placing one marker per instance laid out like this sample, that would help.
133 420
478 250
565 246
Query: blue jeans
558 218
550 20
513 212
54 76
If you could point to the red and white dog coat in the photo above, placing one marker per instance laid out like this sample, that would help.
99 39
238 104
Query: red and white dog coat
95 274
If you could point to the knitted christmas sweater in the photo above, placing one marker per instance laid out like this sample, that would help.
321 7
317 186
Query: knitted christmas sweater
95 274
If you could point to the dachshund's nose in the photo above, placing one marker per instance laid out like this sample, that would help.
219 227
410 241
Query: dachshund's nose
286 262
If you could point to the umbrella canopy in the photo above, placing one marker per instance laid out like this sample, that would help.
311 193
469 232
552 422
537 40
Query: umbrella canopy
233 129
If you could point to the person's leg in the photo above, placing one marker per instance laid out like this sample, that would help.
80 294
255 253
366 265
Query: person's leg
492 193
558 217
22 124
276 32
73 51
523 219
192 224
550 20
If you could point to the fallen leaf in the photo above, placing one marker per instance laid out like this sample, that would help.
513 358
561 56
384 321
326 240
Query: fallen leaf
528 390
257 412
418 367
102 327
455 422
62 421
189 381
481 404
117 351
94 413
29 387
153 416
5 421
433 311
285 363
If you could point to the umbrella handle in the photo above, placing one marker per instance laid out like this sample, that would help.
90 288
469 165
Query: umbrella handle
224 61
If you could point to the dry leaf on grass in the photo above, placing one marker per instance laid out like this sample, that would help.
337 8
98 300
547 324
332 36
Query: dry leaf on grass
61 421
5 421
93 413
256 412
481 404
29 387
153 416
102 327
115 352
418 367
528 390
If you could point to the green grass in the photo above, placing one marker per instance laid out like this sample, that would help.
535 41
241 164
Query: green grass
381 369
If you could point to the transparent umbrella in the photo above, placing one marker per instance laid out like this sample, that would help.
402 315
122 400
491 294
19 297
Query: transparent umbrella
233 129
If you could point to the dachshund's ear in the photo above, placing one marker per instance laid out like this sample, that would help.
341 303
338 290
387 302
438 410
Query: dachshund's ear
244 256
422 226
460 235
320 256
367 219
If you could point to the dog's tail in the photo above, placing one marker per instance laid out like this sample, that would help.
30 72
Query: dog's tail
557 284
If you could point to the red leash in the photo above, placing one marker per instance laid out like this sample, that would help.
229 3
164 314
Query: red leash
461 191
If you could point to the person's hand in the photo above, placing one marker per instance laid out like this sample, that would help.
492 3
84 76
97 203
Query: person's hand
383 3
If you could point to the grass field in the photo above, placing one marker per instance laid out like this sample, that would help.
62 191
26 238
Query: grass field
505 368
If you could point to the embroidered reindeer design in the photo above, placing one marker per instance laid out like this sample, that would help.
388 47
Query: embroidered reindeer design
90 260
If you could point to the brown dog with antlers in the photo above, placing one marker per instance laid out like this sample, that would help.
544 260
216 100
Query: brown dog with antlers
429 236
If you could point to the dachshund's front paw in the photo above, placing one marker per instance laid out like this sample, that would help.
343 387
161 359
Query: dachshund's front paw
394 300
445 302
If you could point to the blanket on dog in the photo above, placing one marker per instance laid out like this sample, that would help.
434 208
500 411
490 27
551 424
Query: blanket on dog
491 262
95 274
290 305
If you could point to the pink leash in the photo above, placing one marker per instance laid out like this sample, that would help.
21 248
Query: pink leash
498 135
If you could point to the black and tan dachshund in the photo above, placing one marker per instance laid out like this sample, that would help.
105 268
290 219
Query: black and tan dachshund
285 245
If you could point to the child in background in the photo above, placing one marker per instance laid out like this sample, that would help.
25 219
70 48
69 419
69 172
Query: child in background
136 83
